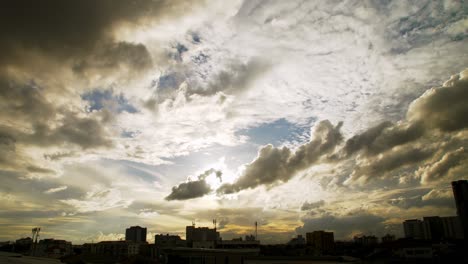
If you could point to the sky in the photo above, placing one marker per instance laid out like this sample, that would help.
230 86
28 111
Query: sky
346 116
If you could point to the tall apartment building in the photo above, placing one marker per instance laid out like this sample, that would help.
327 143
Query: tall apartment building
413 228
460 193
135 234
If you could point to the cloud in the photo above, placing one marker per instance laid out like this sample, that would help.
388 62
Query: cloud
382 137
36 169
275 165
309 206
443 107
345 227
76 30
435 194
98 199
236 78
193 189
134 56
439 169
58 189
431 125
26 105
389 161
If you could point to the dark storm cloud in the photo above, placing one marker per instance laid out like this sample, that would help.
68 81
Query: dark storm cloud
7 147
389 161
444 108
418 201
383 137
439 169
25 102
193 189
112 55
433 116
344 226
275 165
309 206
81 131
63 29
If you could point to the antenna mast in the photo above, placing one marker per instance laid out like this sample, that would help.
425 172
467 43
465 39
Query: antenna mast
256 238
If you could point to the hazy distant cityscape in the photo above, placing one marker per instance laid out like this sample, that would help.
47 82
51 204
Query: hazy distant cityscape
434 238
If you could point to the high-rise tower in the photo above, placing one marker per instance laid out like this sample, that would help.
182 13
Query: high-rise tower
460 192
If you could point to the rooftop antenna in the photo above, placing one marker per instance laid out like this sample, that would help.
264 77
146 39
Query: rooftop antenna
193 223
256 238
214 223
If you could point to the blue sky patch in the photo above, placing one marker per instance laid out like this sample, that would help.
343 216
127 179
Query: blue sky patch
276 132
99 99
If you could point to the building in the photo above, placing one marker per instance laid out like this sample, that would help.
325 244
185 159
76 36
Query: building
198 255
169 241
24 241
23 245
432 228
452 228
135 234
388 238
460 193
413 228
321 241
238 243
201 237
53 248
113 248
366 240
297 241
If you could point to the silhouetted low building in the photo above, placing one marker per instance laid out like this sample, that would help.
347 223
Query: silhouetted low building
53 248
388 238
366 240
238 243
113 248
169 241
250 238
415 253
201 237
322 242
297 241
24 241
